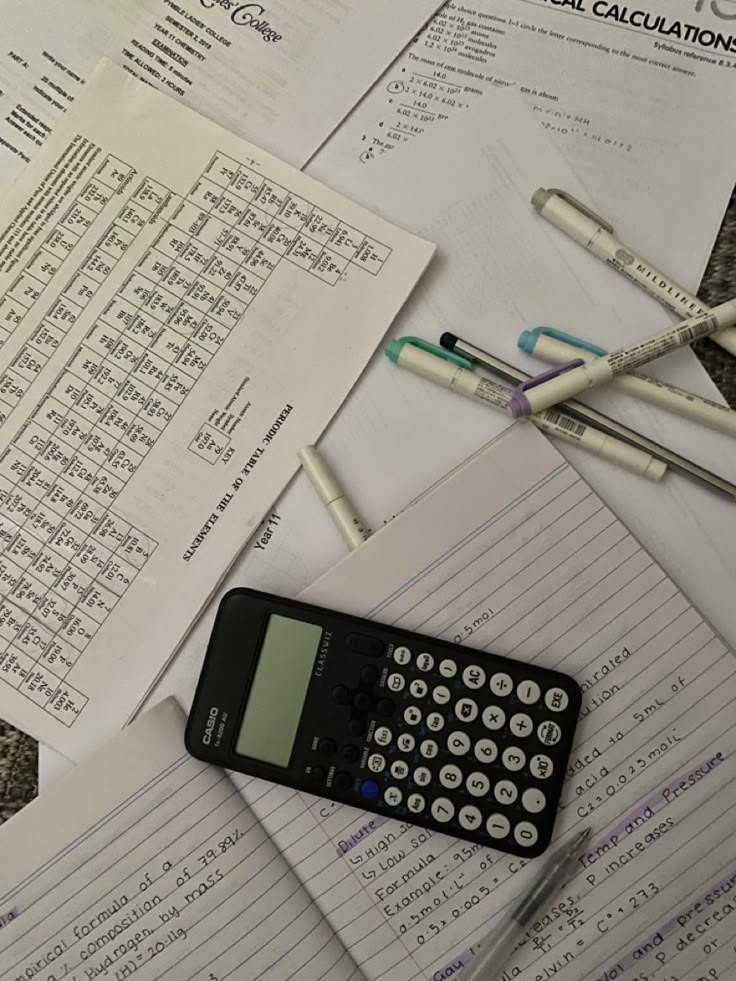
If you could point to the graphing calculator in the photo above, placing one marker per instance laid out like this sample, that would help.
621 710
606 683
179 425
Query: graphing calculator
457 740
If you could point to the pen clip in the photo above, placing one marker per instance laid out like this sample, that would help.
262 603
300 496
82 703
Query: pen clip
561 335
438 351
582 208
555 372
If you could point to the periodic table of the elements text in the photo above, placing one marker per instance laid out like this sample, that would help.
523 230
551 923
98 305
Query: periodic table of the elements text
67 555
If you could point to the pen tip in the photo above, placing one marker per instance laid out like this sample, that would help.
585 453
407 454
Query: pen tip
584 835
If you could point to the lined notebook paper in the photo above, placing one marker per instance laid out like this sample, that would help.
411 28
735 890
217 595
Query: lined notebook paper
514 553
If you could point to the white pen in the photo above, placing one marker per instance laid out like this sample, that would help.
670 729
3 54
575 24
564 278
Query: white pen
446 369
333 497
567 381
557 347
596 235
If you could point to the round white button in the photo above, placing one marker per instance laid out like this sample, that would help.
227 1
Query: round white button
505 792
402 655
466 709
382 736
477 784
441 695
376 763
556 700
412 715
501 684
513 758
533 800
469 817
549 733
429 749
406 742
451 776
521 725
474 677
493 717
498 826
415 803
448 668
422 776
395 682
435 721
425 662
486 750
393 796
528 692
458 743
526 834
442 809
541 766
418 688
399 769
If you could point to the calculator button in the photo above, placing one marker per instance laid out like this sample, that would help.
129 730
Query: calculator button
513 758
382 736
448 668
395 682
525 834
466 709
425 662
469 817
451 776
498 826
318 773
376 763
402 655
412 715
363 644
528 692
418 688
422 776
435 721
533 800
501 684
505 792
541 766
399 769
393 796
362 701
328 747
477 784
521 725
385 706
356 727
441 695
369 790
429 749
350 754
341 695
369 674
474 677
486 750
406 742
549 733
556 700
442 809
415 803
493 717
342 780
458 743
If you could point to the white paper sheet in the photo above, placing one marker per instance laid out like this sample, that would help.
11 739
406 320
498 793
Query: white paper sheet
282 74
180 313
145 863
516 554
631 94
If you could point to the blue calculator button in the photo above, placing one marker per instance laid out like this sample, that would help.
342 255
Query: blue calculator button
370 789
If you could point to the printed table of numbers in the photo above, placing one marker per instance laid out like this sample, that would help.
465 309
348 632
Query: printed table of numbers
67 555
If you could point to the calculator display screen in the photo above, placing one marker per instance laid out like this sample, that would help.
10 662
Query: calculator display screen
279 687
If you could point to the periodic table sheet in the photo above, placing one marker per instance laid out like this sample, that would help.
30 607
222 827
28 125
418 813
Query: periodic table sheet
180 312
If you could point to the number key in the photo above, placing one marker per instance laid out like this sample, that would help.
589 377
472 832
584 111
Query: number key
458 743
451 776
443 810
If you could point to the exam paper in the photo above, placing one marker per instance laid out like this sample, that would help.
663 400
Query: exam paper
146 863
282 74
517 555
166 291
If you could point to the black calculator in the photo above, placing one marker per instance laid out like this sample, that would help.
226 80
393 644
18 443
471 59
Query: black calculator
457 740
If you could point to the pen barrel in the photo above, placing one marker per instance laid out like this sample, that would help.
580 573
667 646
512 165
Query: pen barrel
348 523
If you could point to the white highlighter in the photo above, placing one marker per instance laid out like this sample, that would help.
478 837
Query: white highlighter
569 380
556 347
449 374
333 497
596 235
